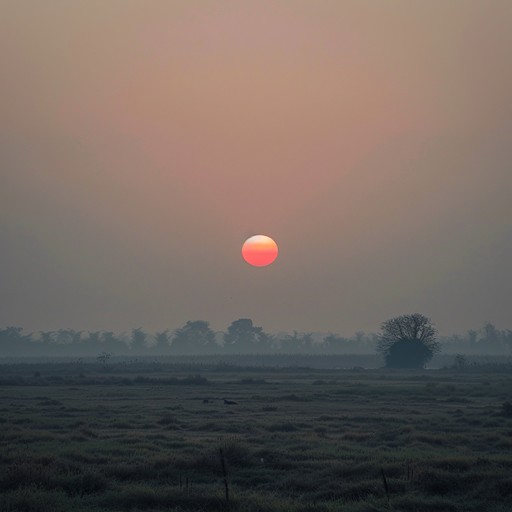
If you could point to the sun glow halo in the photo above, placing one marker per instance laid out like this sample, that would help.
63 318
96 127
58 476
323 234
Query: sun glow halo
259 250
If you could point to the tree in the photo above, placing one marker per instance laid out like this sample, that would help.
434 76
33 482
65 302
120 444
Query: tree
193 338
47 337
111 343
94 338
139 338
334 343
14 342
244 336
162 341
492 339
297 342
68 337
408 341
460 361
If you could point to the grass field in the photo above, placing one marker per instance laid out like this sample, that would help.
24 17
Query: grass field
143 438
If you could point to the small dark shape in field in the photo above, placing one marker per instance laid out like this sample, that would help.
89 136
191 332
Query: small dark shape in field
230 402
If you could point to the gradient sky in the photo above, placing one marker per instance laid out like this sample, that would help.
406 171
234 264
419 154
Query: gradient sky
142 142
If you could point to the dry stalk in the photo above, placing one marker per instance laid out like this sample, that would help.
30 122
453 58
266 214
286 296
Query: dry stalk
225 477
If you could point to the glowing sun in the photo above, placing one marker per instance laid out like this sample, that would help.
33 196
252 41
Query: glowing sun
259 250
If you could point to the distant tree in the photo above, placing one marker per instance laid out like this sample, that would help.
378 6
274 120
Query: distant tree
68 336
492 341
334 343
194 337
243 336
91 343
94 337
472 337
507 338
359 337
408 341
13 342
138 340
11 334
47 337
297 342
460 361
163 341
112 343
490 333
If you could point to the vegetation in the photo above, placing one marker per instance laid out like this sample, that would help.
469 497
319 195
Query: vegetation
193 337
408 341
242 337
298 439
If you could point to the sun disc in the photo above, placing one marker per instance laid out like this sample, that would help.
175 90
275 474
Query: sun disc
259 250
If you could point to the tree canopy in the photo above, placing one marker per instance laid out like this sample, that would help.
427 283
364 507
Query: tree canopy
194 336
408 341
244 336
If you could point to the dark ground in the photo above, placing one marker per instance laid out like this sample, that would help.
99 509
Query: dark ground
141 436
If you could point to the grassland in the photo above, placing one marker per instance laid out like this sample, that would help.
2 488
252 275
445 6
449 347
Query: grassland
143 438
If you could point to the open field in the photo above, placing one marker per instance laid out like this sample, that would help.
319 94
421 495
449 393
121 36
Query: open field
142 438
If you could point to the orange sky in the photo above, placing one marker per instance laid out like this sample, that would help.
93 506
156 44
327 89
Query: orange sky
142 142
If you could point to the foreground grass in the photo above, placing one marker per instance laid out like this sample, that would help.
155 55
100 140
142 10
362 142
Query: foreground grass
296 441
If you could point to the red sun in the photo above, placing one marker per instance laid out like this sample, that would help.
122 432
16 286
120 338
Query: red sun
259 250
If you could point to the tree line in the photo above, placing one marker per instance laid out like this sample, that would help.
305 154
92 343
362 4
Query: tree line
241 337
194 337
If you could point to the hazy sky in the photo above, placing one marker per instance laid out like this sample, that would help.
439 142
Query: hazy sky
141 142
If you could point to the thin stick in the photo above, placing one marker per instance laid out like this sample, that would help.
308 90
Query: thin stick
385 482
225 475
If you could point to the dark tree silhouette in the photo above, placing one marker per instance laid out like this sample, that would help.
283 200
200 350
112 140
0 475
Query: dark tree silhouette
193 338
408 341
244 336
